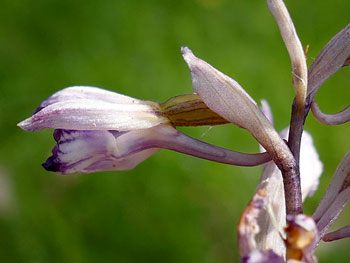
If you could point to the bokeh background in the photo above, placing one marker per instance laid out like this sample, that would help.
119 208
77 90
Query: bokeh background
171 208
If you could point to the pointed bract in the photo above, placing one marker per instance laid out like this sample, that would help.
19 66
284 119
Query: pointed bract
219 91
227 98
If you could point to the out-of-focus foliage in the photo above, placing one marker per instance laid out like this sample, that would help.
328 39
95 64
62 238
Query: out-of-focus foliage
171 208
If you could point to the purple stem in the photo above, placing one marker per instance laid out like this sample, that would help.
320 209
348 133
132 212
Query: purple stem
167 137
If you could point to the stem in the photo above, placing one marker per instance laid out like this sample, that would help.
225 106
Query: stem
292 189
290 166
333 56
296 129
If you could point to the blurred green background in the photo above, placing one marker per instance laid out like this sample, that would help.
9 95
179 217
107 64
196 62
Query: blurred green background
171 208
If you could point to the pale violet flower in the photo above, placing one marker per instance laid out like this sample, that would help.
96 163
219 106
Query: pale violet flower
99 130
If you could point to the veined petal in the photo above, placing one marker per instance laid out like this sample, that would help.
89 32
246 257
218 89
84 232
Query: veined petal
87 92
89 114
91 151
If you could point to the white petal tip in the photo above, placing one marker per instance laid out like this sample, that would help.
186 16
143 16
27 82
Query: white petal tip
25 125
187 54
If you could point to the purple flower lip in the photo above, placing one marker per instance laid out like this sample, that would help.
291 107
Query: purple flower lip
52 165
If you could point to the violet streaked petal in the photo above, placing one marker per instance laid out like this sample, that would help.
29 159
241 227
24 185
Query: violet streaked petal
88 114
91 151
87 92
330 119
262 256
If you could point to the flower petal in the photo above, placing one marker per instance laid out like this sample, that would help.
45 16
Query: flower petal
91 151
88 114
87 92
262 256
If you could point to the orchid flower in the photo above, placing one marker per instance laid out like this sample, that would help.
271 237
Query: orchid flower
100 130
